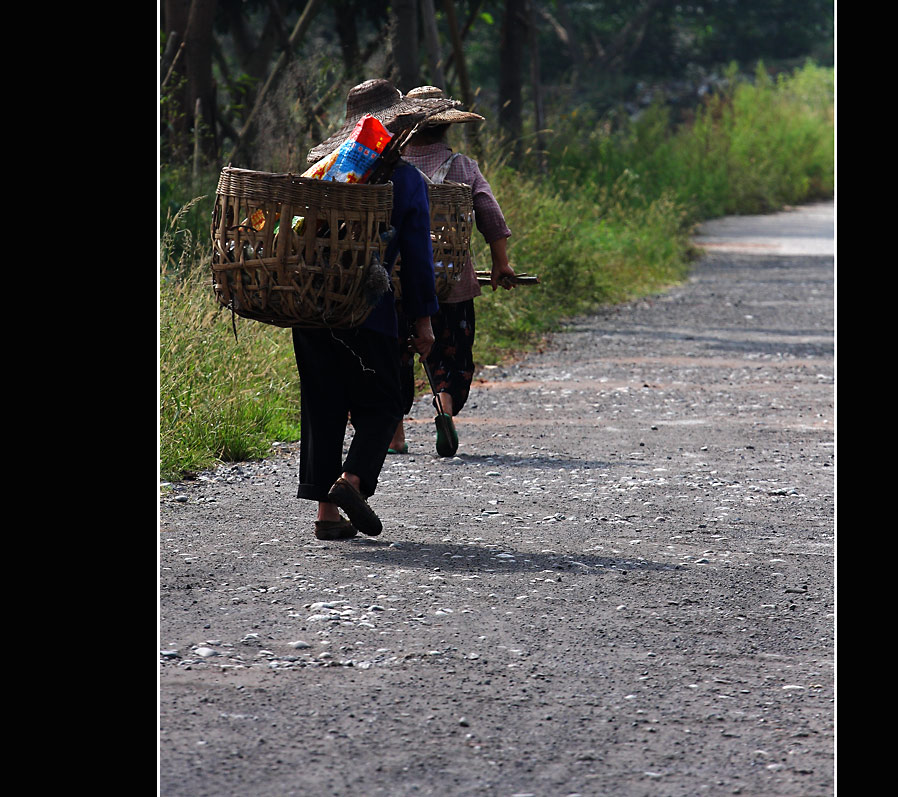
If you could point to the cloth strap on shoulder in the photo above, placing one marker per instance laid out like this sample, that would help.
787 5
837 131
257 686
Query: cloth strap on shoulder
439 176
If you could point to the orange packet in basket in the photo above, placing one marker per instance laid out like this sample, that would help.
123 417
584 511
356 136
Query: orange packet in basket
257 220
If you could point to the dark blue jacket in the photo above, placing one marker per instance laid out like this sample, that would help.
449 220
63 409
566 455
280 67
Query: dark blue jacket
411 221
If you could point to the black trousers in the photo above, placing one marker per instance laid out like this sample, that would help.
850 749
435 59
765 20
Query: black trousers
345 372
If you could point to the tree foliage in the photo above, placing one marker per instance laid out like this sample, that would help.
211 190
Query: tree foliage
255 81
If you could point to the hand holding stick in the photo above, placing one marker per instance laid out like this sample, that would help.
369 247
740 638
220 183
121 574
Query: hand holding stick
423 339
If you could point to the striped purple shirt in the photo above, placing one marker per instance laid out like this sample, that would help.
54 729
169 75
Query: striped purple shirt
487 214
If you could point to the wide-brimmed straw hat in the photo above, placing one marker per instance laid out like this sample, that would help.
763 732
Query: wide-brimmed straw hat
384 102
452 115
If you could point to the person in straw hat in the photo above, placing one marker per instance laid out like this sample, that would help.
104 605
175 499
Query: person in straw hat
355 372
451 360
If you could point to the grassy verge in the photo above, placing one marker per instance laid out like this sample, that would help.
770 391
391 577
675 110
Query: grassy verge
584 254
608 222
750 149
221 399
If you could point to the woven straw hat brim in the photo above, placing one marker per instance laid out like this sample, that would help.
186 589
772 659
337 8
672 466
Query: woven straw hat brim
395 117
453 116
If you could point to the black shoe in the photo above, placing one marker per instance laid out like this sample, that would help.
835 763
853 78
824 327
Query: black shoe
353 503
340 529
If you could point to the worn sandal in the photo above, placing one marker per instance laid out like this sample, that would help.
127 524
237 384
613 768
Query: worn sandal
353 503
403 449
340 529
447 437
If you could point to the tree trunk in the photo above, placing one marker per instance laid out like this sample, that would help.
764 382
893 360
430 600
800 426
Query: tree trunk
405 44
345 12
175 116
628 39
536 88
461 69
254 53
200 85
570 40
458 52
302 24
313 123
510 59
474 11
432 40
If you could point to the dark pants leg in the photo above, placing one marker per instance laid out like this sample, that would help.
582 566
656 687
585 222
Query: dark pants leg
341 372
406 364
452 358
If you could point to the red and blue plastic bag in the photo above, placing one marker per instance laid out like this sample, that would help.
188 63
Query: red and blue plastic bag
353 160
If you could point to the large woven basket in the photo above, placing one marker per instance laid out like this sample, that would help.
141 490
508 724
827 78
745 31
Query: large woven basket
451 225
314 273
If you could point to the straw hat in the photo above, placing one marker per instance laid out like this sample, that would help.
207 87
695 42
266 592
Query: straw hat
384 102
450 116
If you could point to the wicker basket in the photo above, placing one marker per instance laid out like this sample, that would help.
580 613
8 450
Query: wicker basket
451 224
316 273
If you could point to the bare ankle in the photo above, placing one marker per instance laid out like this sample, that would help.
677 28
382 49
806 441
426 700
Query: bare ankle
446 403
398 436
328 511
353 480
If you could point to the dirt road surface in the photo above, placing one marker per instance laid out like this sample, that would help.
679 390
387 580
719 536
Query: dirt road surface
622 585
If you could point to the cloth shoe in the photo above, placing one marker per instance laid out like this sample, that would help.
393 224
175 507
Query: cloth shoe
353 503
340 529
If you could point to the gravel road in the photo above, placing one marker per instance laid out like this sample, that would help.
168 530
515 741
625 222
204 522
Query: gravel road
622 585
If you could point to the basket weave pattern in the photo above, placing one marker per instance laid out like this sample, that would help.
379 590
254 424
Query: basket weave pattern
313 276
451 225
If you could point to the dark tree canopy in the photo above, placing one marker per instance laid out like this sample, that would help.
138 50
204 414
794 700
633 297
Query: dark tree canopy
234 71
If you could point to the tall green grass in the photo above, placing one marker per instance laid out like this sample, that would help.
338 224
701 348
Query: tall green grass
586 254
222 399
751 148
609 221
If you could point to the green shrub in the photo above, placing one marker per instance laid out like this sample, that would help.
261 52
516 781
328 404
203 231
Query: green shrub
749 149
585 253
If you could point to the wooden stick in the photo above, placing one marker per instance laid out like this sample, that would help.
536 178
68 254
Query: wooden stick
484 278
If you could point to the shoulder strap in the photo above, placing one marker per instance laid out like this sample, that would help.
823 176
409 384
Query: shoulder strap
440 174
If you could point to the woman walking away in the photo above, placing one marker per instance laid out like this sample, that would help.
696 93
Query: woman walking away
451 360
356 371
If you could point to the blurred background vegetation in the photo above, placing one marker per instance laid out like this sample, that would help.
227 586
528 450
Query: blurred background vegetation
611 128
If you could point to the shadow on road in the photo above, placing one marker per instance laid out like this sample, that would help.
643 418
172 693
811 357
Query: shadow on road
452 557
730 342
537 462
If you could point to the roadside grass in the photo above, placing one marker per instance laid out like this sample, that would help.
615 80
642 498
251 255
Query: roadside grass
586 254
609 222
221 399
752 148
